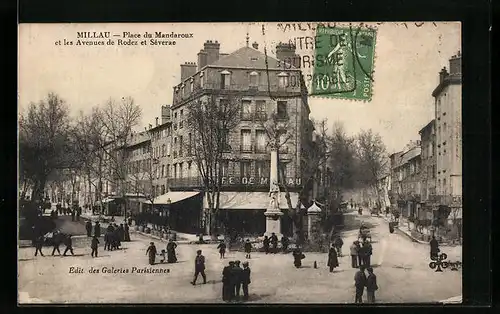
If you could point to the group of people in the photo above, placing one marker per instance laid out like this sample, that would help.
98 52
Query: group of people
169 255
361 280
58 238
235 279
361 253
271 244
75 213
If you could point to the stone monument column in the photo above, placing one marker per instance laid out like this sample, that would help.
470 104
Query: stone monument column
273 213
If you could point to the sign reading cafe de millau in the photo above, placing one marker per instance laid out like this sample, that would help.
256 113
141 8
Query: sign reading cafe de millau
260 181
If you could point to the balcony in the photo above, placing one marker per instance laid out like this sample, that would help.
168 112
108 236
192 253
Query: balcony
246 148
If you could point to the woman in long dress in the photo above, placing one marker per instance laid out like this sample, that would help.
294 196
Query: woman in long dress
151 252
333 260
171 258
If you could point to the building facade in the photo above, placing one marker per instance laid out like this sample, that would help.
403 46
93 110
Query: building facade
428 141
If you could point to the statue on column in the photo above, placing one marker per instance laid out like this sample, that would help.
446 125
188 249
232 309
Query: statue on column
274 193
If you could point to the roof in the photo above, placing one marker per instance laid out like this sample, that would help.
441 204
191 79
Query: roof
138 138
428 125
248 57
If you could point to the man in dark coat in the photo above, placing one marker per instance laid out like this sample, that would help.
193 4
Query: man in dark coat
107 241
359 283
248 248
94 245
371 285
274 242
237 273
367 253
226 282
362 255
69 245
284 243
88 227
97 229
434 248
126 236
266 244
151 252
298 256
222 249
245 280
171 256
56 242
39 244
332 258
199 268
121 233
338 245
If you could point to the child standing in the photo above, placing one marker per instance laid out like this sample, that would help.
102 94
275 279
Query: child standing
162 255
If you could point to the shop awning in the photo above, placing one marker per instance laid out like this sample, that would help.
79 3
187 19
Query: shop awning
174 197
251 200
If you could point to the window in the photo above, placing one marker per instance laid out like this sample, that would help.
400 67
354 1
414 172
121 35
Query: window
260 109
168 148
246 141
225 140
224 168
175 117
202 79
190 143
188 174
245 168
175 171
246 110
254 79
175 147
168 171
261 141
225 79
162 171
163 150
181 173
180 145
282 113
262 169
282 80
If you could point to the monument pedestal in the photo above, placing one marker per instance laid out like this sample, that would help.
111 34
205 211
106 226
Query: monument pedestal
273 223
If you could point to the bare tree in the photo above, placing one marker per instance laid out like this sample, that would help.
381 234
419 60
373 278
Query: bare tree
211 122
372 155
43 144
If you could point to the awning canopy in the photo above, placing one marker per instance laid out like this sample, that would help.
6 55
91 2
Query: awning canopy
251 200
172 197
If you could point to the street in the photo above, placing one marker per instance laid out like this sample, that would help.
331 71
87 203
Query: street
401 267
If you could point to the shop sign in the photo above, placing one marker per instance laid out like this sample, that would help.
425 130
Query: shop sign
258 181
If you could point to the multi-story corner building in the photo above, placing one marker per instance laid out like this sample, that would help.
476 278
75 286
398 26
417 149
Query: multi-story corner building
406 176
264 85
428 156
448 109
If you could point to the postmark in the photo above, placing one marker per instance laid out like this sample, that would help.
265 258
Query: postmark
344 62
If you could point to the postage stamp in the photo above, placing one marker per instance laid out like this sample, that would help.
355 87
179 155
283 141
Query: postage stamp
344 62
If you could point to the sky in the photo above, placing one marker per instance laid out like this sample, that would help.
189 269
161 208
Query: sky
408 57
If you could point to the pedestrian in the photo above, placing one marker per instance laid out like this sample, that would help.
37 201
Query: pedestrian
107 241
360 210
97 229
237 276
338 246
59 209
274 242
222 249
284 243
162 254
199 268
367 253
116 239
126 231
151 252
56 242
371 285
110 228
434 248
298 256
94 245
362 255
69 245
73 212
78 213
171 256
266 244
226 282
333 260
245 279
359 283
88 227
39 244
248 248
121 233
354 254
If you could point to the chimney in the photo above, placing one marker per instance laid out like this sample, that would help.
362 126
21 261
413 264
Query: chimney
456 64
443 74
255 45
212 50
165 114
202 59
156 121
286 52
187 69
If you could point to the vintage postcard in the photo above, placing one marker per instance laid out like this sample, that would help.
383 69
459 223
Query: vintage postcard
250 163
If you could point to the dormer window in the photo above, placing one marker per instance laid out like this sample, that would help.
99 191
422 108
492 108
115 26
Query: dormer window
225 79
182 90
254 79
202 79
191 85
283 80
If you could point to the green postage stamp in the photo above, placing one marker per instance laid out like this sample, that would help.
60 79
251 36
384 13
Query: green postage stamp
344 60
